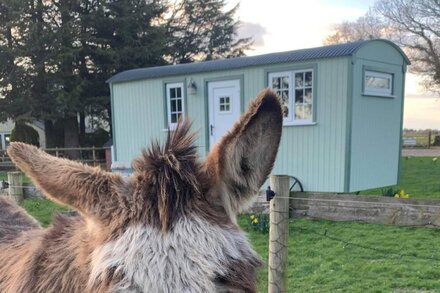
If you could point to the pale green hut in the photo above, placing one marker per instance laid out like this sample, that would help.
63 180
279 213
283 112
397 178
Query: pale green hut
343 108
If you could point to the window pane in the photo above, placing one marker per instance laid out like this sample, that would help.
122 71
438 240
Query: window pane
299 80
285 96
226 100
222 108
275 83
298 96
285 82
308 78
307 111
172 93
377 82
173 118
308 96
179 92
299 111
222 100
227 108
285 107
179 105
173 106
7 139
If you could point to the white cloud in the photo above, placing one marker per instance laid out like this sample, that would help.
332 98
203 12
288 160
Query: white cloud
254 30
293 24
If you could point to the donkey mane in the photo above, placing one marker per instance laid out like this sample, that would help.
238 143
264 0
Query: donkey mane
173 174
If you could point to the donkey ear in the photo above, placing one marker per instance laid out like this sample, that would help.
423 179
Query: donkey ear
245 156
89 190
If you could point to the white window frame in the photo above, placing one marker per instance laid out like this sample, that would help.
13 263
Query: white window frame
290 119
373 91
169 86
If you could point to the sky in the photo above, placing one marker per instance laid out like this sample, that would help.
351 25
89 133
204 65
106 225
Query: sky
282 25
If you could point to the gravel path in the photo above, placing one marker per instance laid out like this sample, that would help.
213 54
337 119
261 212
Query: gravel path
418 152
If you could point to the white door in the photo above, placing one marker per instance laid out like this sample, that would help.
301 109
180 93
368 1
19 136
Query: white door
224 107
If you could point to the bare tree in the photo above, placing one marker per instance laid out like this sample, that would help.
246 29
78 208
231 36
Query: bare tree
413 24
416 26
366 27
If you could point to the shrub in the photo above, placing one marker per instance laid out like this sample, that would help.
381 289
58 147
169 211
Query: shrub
390 191
25 133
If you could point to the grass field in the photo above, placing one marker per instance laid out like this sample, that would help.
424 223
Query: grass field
4 176
327 256
420 178
42 209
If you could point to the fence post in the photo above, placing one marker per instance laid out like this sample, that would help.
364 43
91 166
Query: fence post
278 234
15 180
94 156
429 139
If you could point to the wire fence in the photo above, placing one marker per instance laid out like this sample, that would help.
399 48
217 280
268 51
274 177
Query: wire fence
95 156
383 258
426 138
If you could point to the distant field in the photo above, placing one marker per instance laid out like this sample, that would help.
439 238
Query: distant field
422 137
420 178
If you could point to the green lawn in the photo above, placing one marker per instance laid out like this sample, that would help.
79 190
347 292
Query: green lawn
420 178
42 209
327 256
4 176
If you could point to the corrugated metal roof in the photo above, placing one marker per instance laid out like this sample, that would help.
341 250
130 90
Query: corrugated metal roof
239 62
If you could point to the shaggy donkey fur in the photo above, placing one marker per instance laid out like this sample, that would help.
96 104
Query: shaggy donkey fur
170 227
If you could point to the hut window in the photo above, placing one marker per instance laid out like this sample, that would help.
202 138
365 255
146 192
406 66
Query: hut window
378 83
175 103
296 91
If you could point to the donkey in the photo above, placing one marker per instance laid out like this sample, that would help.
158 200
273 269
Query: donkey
169 227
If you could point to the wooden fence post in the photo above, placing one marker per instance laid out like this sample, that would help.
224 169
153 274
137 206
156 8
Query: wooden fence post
278 234
94 156
15 180
429 139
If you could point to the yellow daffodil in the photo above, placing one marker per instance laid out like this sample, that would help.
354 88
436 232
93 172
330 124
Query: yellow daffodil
434 159
252 217
255 221
401 194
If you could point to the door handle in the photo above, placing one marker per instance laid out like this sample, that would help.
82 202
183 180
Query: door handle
212 128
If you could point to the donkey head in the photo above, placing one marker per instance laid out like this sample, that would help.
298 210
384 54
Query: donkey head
172 222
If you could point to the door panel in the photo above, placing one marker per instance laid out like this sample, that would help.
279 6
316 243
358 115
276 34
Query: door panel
224 107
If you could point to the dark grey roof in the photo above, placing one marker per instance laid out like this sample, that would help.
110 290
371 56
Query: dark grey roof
239 62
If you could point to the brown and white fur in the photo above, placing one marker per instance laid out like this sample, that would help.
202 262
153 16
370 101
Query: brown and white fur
170 227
